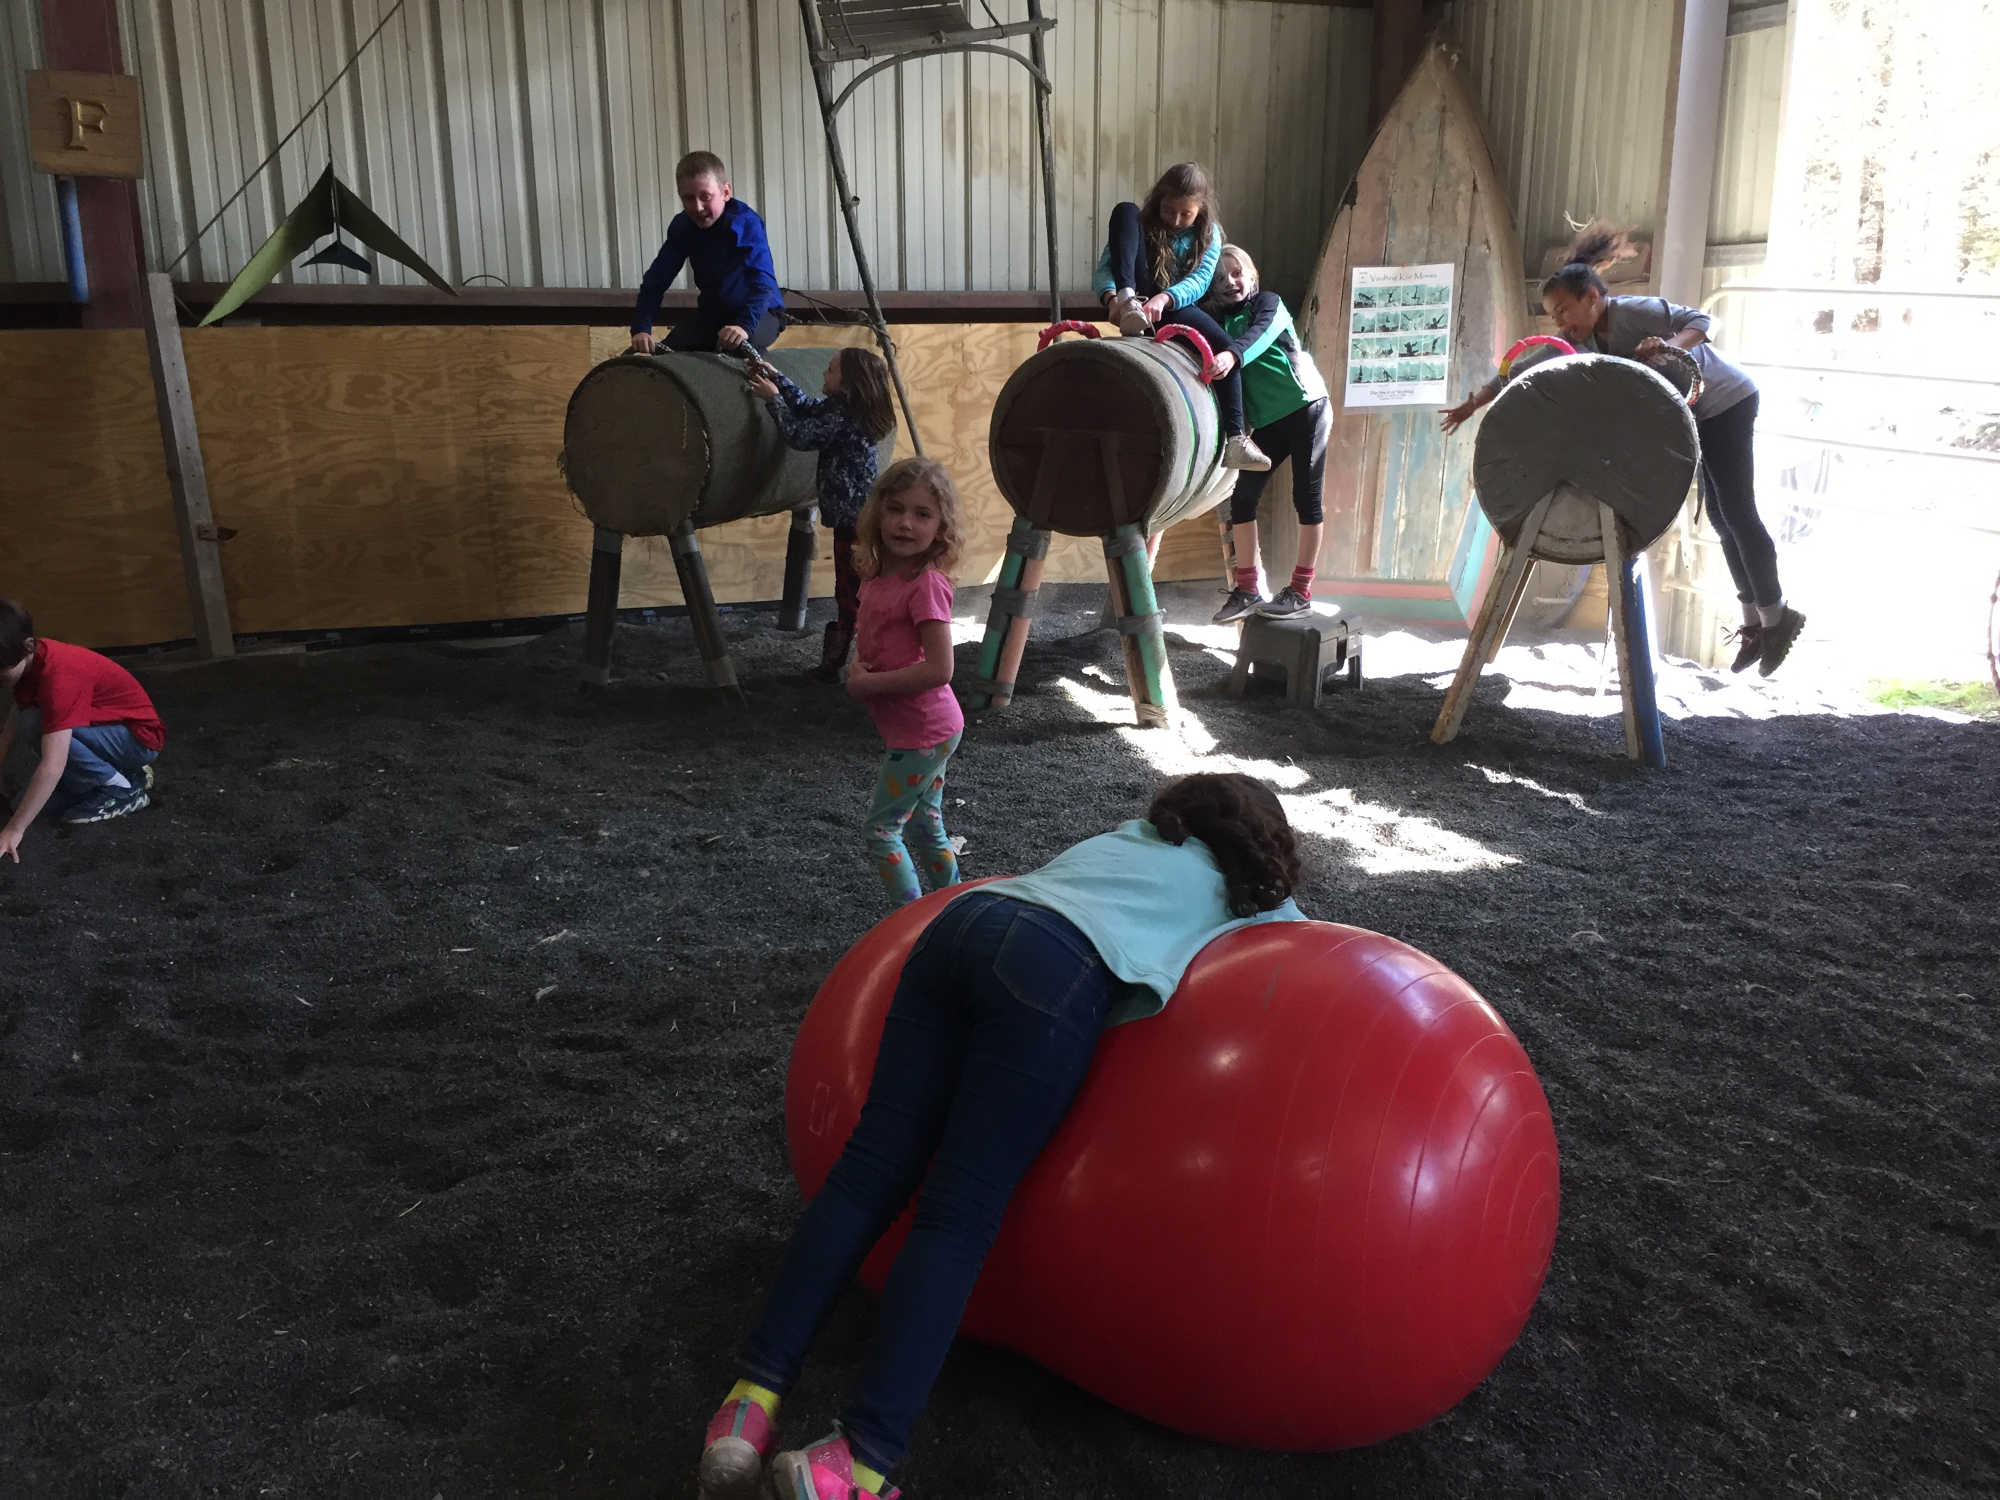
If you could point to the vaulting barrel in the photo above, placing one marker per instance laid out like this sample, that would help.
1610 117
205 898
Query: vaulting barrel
1094 434
654 442
1111 438
1585 458
663 444
1585 428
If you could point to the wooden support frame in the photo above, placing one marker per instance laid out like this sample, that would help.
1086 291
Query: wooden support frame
801 545
201 553
1638 705
600 610
692 571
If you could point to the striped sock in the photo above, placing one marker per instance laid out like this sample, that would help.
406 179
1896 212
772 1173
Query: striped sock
1302 581
1246 579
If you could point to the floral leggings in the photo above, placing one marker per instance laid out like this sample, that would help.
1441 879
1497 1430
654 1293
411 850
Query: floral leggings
909 803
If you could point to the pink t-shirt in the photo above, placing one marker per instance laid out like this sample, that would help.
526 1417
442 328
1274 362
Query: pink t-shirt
886 638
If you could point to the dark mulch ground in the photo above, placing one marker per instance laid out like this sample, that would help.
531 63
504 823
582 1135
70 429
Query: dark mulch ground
395 1109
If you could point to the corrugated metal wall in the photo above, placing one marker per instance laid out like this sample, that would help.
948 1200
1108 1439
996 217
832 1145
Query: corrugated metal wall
532 142
1753 92
1575 98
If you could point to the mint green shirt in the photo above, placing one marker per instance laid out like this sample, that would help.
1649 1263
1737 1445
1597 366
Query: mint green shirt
1146 905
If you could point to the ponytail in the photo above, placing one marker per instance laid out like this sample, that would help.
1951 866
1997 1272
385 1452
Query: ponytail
1597 245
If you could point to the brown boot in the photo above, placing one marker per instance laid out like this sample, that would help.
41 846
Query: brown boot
833 649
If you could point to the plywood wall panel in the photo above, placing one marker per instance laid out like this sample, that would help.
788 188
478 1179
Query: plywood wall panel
407 475
88 541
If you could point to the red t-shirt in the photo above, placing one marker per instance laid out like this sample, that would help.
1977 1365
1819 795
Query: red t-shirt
74 688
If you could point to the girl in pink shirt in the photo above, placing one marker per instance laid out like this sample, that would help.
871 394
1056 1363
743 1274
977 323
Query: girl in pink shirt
907 537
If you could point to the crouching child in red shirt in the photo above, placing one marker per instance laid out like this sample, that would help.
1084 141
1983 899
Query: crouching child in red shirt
98 730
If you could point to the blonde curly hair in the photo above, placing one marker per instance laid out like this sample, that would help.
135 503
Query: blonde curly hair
909 474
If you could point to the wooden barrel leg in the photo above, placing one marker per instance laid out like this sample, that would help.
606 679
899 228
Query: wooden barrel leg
1488 630
1138 618
693 574
800 546
600 610
1513 609
1015 601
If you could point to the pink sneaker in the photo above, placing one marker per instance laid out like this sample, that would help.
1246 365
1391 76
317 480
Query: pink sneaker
825 1471
732 1455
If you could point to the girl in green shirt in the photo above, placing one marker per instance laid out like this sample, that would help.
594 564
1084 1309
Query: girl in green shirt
1286 409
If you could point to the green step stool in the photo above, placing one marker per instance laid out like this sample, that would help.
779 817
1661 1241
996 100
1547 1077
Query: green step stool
1305 647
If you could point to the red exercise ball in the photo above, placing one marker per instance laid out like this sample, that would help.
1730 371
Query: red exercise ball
1308 1206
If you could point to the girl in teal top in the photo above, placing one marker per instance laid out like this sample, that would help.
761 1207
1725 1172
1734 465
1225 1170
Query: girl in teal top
1156 268
995 1018
1286 409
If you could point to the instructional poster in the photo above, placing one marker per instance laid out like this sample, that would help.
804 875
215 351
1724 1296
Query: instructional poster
1399 336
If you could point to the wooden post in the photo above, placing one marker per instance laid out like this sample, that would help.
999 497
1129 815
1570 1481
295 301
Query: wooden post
1512 608
1487 629
201 555
693 574
799 548
1045 134
600 610
82 35
836 159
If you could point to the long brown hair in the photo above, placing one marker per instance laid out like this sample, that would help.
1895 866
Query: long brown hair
1184 179
909 474
1245 828
864 387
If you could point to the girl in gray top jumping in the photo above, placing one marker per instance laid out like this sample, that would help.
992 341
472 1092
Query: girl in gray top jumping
1725 409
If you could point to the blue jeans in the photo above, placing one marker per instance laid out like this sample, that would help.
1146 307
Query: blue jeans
991 1031
1131 266
97 752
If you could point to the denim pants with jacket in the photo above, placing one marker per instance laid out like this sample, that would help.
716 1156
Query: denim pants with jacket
988 1039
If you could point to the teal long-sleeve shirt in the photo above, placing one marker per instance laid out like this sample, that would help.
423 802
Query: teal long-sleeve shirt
1146 905
1190 289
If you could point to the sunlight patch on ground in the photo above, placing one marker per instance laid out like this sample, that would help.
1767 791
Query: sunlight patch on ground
1380 840
1504 778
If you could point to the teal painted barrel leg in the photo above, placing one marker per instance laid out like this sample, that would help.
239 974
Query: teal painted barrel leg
1008 621
1138 610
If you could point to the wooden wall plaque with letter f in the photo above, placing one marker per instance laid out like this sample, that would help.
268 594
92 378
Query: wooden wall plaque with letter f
84 124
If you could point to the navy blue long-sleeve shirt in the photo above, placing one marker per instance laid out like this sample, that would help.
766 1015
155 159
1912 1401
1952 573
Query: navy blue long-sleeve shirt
847 460
732 264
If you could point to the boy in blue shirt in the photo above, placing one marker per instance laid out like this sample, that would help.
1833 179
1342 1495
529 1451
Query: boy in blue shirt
723 239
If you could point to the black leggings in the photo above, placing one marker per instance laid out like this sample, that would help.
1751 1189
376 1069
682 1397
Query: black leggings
1729 484
1131 267
1300 436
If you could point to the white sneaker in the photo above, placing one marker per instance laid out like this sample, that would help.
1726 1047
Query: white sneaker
1129 313
1240 452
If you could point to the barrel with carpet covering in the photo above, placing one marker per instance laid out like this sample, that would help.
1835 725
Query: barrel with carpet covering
1585 428
656 441
663 444
1584 458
